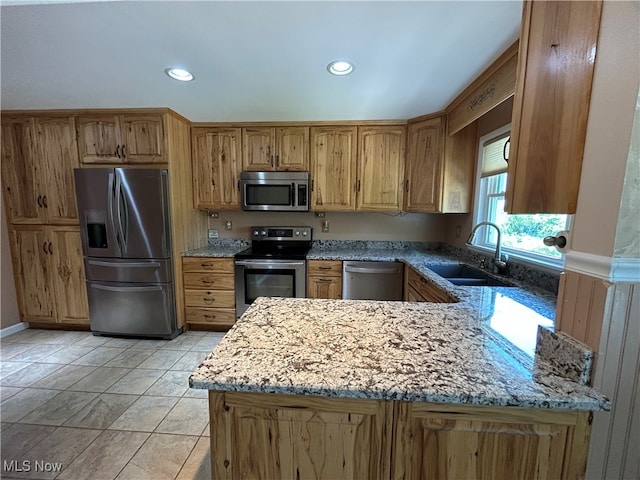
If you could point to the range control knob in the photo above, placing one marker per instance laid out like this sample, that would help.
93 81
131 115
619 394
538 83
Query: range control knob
263 233
304 233
297 233
256 233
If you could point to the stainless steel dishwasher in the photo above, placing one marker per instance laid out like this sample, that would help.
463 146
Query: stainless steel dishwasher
371 280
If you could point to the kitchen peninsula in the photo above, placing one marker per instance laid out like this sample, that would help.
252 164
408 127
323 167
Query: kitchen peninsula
309 388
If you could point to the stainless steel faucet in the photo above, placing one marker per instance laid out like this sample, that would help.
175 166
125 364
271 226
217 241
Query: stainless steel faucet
499 260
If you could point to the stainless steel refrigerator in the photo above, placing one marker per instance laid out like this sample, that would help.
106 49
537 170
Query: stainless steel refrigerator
126 239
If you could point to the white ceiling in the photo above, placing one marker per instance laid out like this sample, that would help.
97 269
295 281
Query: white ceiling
253 61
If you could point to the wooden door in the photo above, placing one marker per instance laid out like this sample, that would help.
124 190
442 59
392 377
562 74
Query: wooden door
68 278
216 168
32 251
59 153
292 149
142 139
292 436
333 168
99 139
258 149
324 287
380 168
21 171
451 442
423 174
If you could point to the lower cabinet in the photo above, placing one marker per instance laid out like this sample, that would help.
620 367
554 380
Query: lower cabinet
209 292
49 274
417 289
257 435
324 279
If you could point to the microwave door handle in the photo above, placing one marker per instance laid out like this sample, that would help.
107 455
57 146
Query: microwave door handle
293 194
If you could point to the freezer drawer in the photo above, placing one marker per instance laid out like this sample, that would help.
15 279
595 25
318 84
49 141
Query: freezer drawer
132 309
126 271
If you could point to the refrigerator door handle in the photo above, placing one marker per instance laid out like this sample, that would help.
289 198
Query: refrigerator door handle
110 208
119 201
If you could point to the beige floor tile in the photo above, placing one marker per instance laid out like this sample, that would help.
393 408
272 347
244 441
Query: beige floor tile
100 379
64 377
8 392
92 341
10 367
59 409
207 343
22 403
206 432
102 411
57 451
18 439
105 457
38 353
53 337
136 382
22 336
121 342
183 342
188 417
7 351
151 344
161 456
198 465
196 393
66 354
29 375
99 356
171 384
162 359
130 358
145 414
189 361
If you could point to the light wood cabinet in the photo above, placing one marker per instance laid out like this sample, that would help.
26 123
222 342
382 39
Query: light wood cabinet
38 158
275 149
121 139
333 168
49 274
457 441
380 168
209 292
288 436
216 167
324 279
418 289
556 60
256 435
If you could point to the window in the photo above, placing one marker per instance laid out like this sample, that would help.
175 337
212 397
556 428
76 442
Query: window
521 234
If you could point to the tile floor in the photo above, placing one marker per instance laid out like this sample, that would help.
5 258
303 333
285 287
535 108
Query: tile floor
75 406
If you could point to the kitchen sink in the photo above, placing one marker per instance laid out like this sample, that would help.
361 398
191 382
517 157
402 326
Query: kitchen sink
461 274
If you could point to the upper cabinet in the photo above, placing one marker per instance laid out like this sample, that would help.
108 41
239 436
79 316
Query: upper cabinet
275 149
216 167
551 105
380 168
121 139
38 158
333 168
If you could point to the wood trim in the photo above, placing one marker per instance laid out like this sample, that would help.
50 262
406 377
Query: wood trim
93 111
315 123
492 87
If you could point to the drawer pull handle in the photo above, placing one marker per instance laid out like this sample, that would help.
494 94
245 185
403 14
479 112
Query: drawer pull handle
206 264
324 268
208 300
325 280
210 316
207 281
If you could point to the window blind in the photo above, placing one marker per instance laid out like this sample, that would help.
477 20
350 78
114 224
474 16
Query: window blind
493 152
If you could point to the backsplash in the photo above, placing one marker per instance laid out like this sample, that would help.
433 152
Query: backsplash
375 245
229 242
568 357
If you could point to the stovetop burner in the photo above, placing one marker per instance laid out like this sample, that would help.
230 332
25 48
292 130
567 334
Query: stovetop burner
290 243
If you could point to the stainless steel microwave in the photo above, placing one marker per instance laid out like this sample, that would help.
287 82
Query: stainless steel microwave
275 191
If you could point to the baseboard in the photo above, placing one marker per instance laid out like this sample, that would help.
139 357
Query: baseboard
5 332
607 268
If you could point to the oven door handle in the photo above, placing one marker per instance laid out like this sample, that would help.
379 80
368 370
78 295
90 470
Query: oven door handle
253 264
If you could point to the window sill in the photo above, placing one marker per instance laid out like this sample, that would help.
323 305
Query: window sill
542 266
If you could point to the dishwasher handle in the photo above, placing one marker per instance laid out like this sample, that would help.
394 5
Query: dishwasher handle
371 270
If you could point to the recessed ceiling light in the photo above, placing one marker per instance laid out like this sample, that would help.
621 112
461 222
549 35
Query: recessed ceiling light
340 67
179 74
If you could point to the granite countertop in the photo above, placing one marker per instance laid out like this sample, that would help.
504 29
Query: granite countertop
381 350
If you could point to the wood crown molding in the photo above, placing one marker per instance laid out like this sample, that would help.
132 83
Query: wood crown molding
611 269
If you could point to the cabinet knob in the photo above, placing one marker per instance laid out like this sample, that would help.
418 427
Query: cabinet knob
44 202
50 248
118 151
124 154
40 201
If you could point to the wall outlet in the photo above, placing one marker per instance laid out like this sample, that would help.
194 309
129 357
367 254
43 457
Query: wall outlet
228 225
213 233
325 226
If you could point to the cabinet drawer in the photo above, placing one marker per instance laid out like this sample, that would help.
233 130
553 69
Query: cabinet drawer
207 264
210 298
427 290
223 317
328 268
205 281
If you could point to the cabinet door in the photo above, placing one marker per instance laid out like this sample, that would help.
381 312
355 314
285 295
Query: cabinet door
32 267
68 277
292 149
324 287
333 168
216 168
59 153
258 149
21 171
294 436
556 61
492 443
380 168
99 139
423 175
142 139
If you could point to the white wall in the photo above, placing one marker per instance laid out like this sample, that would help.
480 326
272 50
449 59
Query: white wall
9 305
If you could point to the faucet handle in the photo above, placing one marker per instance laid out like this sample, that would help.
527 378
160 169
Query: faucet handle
483 263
